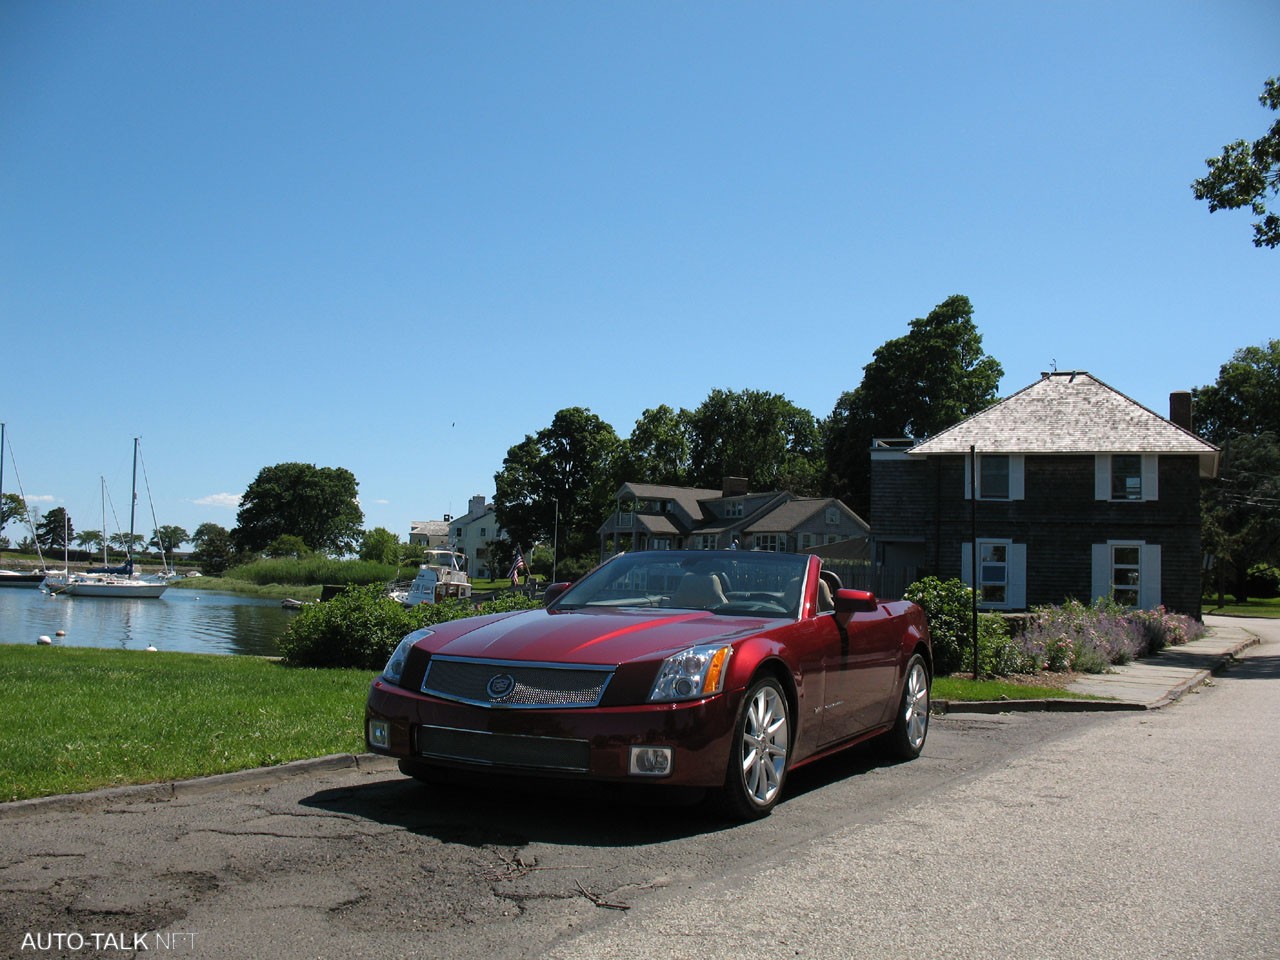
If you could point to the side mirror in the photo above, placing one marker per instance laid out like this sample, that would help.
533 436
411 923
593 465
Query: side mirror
553 592
849 602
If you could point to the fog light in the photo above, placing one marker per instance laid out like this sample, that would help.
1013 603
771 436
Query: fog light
379 734
651 761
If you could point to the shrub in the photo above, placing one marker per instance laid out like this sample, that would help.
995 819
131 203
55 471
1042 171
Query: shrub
361 626
948 605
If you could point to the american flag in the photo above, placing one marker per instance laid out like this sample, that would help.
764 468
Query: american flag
516 565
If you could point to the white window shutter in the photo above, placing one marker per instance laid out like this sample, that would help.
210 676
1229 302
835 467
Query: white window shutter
1102 476
1151 476
1017 481
966 561
1149 592
1101 571
1016 571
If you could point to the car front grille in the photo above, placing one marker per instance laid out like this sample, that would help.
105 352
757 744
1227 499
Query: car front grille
499 683
507 750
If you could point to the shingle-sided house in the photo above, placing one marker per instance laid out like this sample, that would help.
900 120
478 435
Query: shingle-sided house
658 517
1081 492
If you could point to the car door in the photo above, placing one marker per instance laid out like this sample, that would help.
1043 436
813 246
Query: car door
861 673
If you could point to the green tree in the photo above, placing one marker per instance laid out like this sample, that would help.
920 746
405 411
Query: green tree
214 550
659 449
1240 412
380 545
287 546
1245 400
13 509
1246 174
914 386
572 463
55 530
317 504
1241 510
129 543
90 540
168 538
760 436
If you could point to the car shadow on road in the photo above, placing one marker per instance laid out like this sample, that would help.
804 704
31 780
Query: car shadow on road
522 810
482 810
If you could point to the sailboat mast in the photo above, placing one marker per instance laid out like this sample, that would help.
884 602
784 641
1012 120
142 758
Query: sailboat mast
2 429
133 507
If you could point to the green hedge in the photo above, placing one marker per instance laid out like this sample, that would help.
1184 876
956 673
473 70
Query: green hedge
361 626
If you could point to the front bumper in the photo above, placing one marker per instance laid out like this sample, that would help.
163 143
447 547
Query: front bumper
593 743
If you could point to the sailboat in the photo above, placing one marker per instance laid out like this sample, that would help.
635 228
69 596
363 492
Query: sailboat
113 581
19 578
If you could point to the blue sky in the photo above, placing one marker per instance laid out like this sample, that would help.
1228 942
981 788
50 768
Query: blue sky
398 237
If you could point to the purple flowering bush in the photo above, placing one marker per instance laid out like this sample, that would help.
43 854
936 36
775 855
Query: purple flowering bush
1090 639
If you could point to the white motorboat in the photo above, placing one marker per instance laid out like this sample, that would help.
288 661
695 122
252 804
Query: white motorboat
442 577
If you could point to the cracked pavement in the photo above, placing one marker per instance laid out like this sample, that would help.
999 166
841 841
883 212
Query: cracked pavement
361 861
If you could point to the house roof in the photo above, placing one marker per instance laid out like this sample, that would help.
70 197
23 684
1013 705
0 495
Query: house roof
789 515
434 528
1069 412
689 498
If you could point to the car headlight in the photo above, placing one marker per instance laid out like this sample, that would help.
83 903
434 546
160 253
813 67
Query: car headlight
691 674
394 669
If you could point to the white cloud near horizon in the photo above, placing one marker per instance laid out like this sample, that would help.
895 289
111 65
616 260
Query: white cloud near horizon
229 500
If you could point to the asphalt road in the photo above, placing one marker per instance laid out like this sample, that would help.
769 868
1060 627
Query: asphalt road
1020 835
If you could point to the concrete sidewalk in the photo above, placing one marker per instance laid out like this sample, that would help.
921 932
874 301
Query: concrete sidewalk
1145 684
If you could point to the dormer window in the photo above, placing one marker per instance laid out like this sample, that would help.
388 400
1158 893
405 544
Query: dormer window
733 508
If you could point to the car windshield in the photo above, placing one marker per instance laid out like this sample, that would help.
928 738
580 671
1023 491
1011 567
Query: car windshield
729 582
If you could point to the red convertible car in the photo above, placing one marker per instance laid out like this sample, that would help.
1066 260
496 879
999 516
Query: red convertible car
712 669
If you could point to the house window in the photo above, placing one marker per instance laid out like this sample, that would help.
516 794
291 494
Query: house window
660 543
1126 476
626 519
1001 574
483 533
833 516
993 477
703 541
993 573
806 541
733 508
774 542
1126 574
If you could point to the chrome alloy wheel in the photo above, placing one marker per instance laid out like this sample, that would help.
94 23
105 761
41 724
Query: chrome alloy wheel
915 706
765 740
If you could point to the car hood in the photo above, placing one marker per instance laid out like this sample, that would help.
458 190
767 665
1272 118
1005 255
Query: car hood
587 636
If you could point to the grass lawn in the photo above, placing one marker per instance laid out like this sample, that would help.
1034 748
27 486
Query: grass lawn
964 688
1254 608
77 719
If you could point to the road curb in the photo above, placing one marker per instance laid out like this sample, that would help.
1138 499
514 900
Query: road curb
200 786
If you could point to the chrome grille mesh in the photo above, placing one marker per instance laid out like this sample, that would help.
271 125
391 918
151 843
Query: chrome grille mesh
493 683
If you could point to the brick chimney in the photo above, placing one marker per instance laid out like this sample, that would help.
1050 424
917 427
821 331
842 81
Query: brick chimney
734 486
1180 408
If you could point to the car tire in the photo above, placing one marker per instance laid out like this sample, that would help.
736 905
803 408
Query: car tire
759 753
911 725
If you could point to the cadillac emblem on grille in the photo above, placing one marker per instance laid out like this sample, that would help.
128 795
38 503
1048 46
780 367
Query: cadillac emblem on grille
500 686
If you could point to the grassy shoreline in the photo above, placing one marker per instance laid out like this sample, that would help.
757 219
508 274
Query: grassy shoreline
80 718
